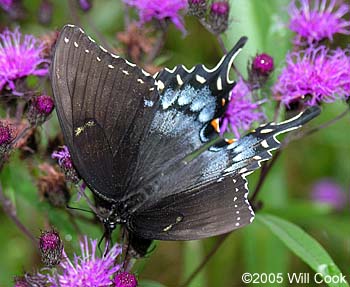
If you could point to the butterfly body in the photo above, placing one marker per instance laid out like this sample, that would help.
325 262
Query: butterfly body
132 136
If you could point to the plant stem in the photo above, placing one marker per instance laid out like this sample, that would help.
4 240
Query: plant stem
158 46
11 213
217 245
74 13
221 43
264 172
21 135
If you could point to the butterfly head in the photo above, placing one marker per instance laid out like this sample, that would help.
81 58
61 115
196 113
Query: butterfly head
110 217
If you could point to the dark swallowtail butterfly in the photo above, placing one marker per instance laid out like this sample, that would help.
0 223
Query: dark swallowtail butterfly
130 135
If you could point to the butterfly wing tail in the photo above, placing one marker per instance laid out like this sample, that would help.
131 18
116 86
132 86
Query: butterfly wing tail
297 121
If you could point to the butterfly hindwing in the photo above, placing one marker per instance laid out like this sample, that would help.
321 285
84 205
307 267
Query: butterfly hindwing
205 211
201 198
105 106
199 92
189 101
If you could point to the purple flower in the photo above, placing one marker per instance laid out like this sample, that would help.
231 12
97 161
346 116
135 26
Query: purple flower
6 4
329 192
318 22
87 270
160 9
20 56
65 162
125 279
241 111
317 72
63 156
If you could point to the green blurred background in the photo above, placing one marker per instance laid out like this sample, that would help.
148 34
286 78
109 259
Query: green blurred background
286 192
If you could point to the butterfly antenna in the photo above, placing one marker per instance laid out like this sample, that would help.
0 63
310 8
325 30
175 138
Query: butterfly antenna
80 209
82 193
100 242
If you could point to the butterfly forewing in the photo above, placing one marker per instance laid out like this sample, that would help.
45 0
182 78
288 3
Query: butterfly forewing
105 106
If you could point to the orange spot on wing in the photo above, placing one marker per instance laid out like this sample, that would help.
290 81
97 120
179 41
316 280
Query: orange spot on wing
215 124
230 141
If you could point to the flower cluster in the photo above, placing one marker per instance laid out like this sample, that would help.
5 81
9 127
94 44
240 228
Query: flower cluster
322 21
20 56
315 74
318 73
87 269
160 10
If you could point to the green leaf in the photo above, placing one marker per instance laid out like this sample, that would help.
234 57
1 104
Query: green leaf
303 245
260 243
193 256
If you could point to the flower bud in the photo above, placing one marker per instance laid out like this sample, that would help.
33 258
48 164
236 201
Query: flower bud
6 137
51 247
5 134
260 70
197 8
85 5
45 12
40 108
263 64
30 280
125 279
21 282
218 16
